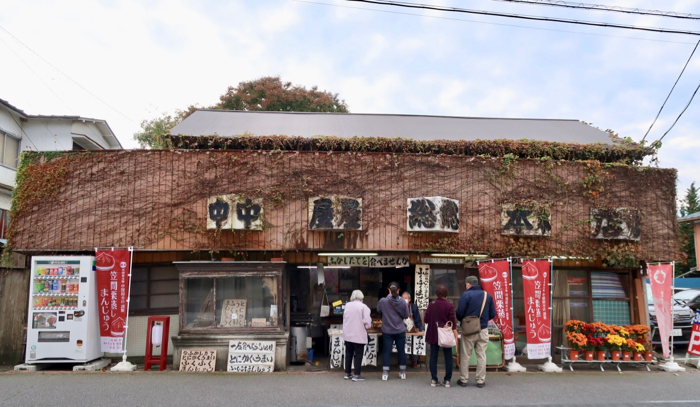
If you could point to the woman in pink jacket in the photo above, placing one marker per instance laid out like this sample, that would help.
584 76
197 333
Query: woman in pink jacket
356 322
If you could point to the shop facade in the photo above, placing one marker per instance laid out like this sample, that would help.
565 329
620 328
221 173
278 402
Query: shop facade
233 242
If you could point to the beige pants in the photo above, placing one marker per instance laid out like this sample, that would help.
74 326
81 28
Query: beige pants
479 342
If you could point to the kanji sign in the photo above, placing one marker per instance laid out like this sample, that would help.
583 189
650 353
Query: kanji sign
422 287
335 212
432 214
694 344
537 276
533 220
251 356
616 223
234 211
112 272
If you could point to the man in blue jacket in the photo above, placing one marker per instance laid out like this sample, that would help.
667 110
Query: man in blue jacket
470 304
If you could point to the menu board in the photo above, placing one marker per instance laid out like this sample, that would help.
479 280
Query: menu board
251 356
195 360
233 313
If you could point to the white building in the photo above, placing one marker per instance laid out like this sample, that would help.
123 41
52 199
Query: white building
20 131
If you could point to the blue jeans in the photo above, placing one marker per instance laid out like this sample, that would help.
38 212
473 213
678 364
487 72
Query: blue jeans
388 340
434 352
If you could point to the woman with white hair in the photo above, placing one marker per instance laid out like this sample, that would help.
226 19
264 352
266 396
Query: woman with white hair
356 321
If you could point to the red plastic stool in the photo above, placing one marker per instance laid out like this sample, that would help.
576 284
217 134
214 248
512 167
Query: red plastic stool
162 359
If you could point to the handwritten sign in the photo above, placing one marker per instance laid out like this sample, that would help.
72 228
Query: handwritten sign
370 355
195 360
337 350
408 347
419 345
251 356
422 279
369 261
233 313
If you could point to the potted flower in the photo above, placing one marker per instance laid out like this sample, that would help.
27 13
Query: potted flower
614 343
628 347
598 344
638 351
577 342
574 326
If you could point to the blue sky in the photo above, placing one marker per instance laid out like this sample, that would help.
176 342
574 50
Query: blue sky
139 59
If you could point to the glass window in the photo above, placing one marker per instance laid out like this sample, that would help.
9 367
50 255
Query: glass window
606 284
452 278
154 290
570 283
231 302
11 151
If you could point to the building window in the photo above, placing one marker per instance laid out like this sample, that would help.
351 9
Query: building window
9 145
4 223
154 290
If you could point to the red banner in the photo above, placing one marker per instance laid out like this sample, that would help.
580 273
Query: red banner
661 280
495 279
112 269
694 343
537 275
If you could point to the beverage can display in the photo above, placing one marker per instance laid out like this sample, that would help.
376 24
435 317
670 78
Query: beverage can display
60 271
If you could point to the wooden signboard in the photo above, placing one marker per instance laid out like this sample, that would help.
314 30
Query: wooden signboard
197 360
251 356
233 313
422 288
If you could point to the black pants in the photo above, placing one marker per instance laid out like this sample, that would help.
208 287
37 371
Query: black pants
356 350
434 352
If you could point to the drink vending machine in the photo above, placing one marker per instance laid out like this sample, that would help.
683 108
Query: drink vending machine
63 325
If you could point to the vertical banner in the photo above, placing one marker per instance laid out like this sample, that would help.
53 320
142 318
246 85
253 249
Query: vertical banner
422 289
694 343
495 279
661 280
537 275
112 269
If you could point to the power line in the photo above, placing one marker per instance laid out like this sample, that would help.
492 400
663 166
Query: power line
681 114
524 17
68 77
669 93
489 23
602 7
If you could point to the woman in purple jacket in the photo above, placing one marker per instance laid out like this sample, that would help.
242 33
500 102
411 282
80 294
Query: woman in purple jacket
440 312
356 322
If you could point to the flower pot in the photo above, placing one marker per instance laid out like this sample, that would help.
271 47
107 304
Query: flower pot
626 355
637 356
589 355
648 355
615 355
600 355
573 354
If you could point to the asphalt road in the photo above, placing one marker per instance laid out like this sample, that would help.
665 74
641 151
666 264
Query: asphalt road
636 388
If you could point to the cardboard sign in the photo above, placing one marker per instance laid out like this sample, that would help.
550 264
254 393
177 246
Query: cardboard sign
233 313
195 360
251 356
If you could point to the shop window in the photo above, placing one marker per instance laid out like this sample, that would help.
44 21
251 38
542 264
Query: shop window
453 279
610 297
231 302
4 223
154 290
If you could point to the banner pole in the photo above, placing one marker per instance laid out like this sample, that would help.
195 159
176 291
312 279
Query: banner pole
671 365
125 366
549 367
513 366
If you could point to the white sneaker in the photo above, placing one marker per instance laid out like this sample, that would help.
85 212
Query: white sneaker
347 377
402 376
385 376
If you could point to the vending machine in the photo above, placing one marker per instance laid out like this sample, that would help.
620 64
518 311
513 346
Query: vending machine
63 324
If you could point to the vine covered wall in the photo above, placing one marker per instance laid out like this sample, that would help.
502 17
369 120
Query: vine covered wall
157 200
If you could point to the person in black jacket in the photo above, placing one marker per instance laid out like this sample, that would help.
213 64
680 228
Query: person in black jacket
470 304
413 314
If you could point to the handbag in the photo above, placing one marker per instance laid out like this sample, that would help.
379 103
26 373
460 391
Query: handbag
325 309
446 337
472 324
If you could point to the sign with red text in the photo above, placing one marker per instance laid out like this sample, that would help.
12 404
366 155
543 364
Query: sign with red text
694 344
661 279
112 270
537 275
495 279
